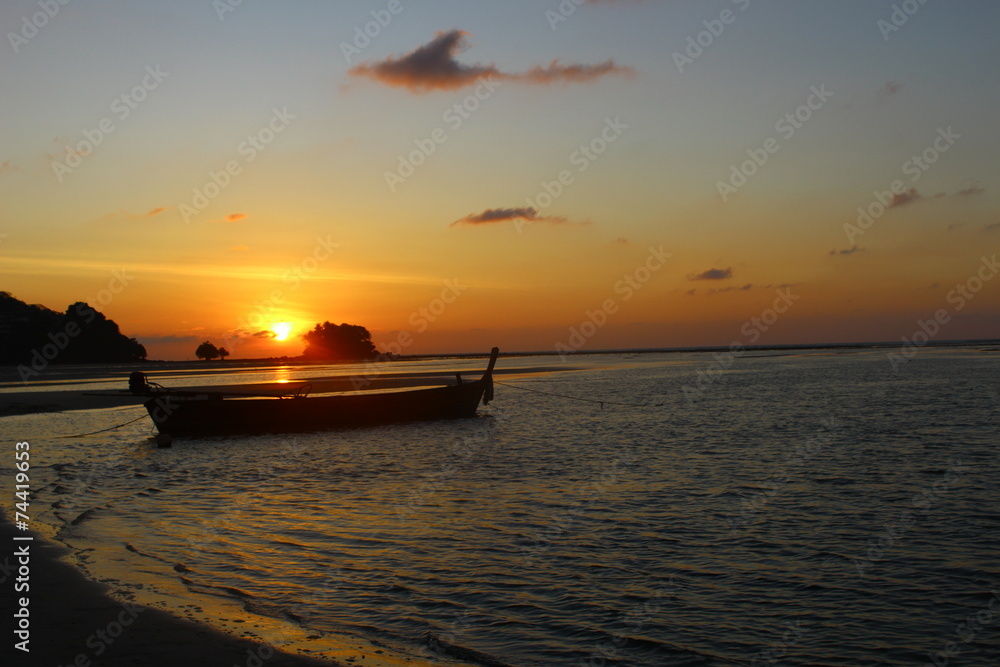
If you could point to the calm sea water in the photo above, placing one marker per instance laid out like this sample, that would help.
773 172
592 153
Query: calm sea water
812 508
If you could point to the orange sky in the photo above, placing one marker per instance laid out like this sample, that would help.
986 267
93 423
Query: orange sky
473 188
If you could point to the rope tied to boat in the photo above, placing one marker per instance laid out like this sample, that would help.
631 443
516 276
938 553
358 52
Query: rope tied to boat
577 398
103 430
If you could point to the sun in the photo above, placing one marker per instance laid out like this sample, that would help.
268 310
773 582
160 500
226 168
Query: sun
281 330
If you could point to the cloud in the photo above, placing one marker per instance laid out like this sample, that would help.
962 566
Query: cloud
723 290
122 214
492 215
714 274
433 67
904 198
264 333
889 89
744 288
171 338
556 73
621 240
848 251
239 248
235 217
992 227
7 166
912 195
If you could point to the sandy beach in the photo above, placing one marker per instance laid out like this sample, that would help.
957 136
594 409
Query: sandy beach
73 621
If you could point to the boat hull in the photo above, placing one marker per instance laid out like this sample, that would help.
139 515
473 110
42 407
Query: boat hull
214 416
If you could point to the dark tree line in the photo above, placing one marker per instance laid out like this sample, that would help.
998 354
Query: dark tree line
339 342
207 351
33 334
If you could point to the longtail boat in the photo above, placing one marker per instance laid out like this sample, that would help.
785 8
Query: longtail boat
187 413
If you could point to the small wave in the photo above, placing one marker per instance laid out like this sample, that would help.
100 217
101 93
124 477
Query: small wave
462 652
83 516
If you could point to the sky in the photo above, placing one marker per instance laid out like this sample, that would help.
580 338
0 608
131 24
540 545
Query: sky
531 174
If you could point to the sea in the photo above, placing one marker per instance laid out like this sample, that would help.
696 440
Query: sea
796 507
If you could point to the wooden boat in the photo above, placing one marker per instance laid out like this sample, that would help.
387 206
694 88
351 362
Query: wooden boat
184 413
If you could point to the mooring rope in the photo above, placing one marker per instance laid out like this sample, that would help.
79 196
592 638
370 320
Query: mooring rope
103 430
577 398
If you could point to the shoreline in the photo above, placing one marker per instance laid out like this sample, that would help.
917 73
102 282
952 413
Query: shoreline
75 620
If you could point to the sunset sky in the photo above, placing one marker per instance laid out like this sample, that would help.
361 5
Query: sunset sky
498 173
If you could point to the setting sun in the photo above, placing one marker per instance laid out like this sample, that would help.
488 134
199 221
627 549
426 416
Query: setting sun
281 330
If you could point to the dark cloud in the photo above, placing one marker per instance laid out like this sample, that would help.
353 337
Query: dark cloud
429 67
264 333
889 89
992 227
157 340
912 195
492 215
723 290
904 198
433 67
714 274
848 251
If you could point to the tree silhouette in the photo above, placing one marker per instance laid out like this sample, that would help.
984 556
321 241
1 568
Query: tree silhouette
81 335
223 353
339 342
207 351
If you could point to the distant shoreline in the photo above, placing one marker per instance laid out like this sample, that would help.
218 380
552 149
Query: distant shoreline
300 361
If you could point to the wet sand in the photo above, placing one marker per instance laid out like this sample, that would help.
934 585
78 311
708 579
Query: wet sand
76 621
73 620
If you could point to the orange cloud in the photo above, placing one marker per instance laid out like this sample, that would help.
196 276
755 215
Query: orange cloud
235 217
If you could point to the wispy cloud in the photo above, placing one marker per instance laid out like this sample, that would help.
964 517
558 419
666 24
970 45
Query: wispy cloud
122 214
234 217
713 274
912 195
433 67
889 89
848 251
723 290
739 288
7 166
492 215
904 198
